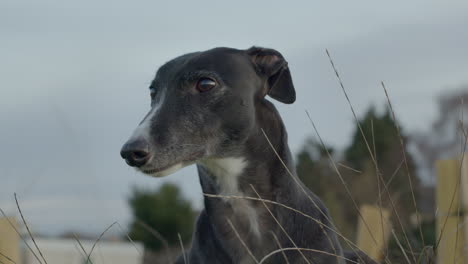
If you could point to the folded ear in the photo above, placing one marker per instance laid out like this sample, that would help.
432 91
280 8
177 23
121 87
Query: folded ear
272 66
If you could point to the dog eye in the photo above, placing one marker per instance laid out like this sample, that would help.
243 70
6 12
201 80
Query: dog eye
205 84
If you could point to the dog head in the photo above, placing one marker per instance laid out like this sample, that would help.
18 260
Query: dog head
203 105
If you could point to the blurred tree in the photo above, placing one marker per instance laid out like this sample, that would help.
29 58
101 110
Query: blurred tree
164 210
380 134
360 173
385 144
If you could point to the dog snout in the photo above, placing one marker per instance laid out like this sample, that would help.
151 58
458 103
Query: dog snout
136 152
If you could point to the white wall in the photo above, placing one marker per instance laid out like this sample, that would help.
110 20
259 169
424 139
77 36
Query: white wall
68 251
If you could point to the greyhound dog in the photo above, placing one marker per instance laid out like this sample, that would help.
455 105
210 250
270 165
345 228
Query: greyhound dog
209 109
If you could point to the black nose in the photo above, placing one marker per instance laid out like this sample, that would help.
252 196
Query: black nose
136 152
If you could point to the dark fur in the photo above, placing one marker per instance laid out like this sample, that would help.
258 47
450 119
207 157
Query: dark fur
228 121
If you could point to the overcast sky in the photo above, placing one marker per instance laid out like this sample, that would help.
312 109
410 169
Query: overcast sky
74 78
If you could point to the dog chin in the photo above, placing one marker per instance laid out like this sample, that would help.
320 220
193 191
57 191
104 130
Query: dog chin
167 171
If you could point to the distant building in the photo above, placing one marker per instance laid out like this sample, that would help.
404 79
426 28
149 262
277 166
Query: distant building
69 251
64 250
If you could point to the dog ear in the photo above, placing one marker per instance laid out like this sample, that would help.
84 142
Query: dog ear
271 65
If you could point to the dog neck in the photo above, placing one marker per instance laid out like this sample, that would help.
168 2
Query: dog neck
257 173
261 167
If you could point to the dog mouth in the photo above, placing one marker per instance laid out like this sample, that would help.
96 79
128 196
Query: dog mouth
183 163
156 170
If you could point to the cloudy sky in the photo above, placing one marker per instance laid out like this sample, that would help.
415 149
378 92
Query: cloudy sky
74 77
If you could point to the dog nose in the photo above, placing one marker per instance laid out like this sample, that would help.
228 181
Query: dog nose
135 152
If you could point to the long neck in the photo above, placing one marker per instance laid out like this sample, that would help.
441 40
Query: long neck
259 173
265 164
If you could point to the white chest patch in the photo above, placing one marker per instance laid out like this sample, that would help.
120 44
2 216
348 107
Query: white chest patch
227 172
